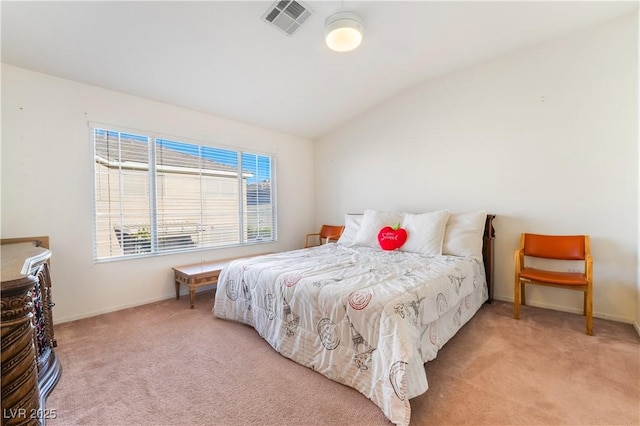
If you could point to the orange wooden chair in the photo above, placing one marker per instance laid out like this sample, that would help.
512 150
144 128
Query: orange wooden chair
327 233
565 248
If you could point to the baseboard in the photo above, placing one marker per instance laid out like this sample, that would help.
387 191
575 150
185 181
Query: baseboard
172 295
578 311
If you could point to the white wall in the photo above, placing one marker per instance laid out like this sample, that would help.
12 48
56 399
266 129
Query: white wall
545 138
47 184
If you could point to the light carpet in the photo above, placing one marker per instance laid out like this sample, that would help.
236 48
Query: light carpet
166 364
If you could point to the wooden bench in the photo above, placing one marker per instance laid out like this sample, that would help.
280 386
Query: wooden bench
200 274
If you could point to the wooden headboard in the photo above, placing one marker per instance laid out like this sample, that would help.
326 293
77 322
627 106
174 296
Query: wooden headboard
487 253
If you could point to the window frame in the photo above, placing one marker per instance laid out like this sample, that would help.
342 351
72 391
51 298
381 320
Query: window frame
152 178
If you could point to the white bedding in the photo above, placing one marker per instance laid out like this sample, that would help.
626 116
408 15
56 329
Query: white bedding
361 316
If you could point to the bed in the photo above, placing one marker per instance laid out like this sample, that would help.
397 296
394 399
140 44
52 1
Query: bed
362 316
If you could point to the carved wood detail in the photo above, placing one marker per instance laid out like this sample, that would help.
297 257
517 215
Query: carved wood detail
30 368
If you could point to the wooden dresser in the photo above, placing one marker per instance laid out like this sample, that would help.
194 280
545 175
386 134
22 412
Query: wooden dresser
30 368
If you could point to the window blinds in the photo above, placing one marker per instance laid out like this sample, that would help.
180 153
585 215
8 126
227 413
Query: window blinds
157 195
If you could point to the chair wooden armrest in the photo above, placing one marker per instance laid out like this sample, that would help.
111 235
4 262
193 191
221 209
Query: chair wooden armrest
334 237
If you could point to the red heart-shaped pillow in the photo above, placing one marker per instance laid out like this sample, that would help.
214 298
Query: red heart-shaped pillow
392 237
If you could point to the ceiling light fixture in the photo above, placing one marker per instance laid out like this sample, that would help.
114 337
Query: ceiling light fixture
343 31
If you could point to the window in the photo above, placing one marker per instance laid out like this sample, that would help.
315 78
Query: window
155 195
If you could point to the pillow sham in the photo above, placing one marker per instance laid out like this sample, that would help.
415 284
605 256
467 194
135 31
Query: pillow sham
351 226
463 235
372 222
425 232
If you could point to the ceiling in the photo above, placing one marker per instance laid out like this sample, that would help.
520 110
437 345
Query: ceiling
222 58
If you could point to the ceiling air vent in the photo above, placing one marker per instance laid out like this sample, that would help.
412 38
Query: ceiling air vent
287 15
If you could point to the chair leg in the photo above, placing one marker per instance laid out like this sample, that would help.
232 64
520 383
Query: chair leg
588 300
516 300
523 297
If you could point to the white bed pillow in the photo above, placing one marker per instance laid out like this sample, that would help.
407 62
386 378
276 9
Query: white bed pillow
351 226
463 235
372 222
425 232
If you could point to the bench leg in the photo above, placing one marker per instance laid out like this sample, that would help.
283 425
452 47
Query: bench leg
192 296
177 290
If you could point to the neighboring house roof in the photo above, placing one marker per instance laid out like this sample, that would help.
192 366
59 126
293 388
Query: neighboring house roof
133 153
